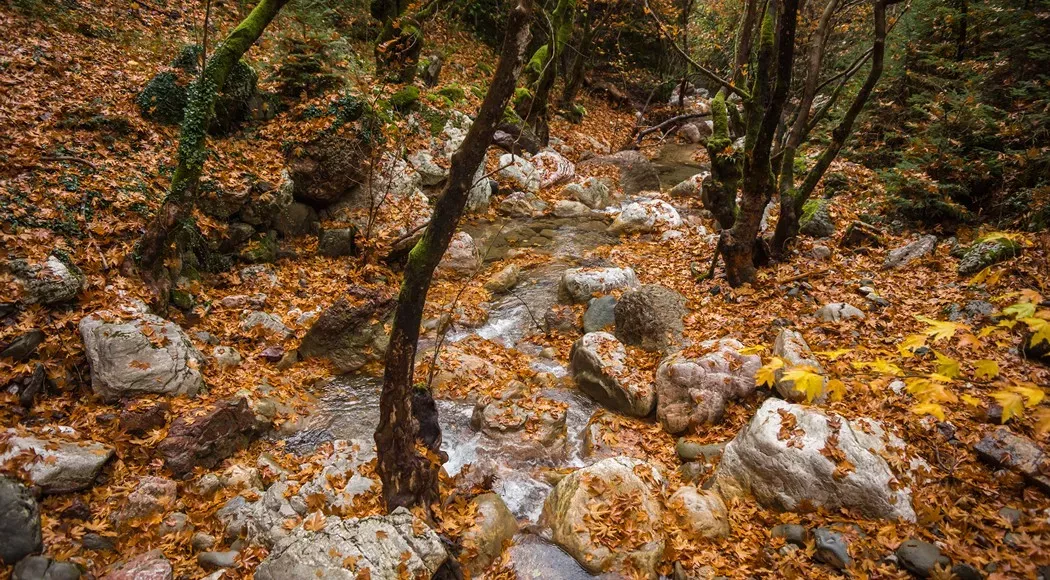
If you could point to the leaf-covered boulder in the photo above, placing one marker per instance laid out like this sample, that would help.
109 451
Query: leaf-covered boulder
144 355
816 220
209 439
796 458
650 317
987 251
581 284
695 391
55 465
520 171
351 333
598 364
54 281
484 540
646 216
611 493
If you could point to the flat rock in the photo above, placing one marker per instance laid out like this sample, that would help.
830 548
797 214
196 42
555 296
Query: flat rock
54 281
581 284
908 253
58 466
209 439
921 557
1017 453
646 216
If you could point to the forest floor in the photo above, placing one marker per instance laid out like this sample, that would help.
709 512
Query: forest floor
89 188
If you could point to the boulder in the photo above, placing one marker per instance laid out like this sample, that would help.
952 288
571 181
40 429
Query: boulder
637 173
650 317
695 391
987 251
56 466
264 202
565 208
430 173
645 217
593 192
861 235
388 547
142 417
691 187
330 168
148 566
527 429
261 522
836 311
908 253
600 314
393 180
209 439
484 540
462 258
578 508
54 281
20 535
1018 454
597 363
519 171
147 354
44 568
265 324
701 513
580 284
552 168
522 205
351 334
480 195
296 219
152 496
336 242
796 354
816 220
503 280
796 458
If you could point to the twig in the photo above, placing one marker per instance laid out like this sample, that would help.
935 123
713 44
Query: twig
69 159
673 120
813 274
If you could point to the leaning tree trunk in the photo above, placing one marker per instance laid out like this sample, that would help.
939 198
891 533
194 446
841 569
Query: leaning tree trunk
535 110
152 255
407 466
574 76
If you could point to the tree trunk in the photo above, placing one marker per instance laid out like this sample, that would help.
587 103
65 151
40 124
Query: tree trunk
535 112
408 466
574 78
152 253
719 194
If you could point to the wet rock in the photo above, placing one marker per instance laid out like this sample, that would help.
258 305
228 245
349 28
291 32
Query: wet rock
565 208
152 496
520 171
24 345
207 440
462 258
836 311
615 484
861 235
987 251
646 216
580 284
1017 453
832 548
217 560
593 192
650 317
816 220
701 512
378 544
600 314
637 173
796 354
532 557
560 318
504 280
44 568
226 357
552 168
266 324
20 534
484 540
694 392
792 472
57 466
430 173
145 355
351 335
597 364
528 429
921 557
522 205
792 533
336 242
148 566
54 281
908 253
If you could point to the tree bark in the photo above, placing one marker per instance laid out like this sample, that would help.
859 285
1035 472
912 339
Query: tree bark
407 465
535 110
152 253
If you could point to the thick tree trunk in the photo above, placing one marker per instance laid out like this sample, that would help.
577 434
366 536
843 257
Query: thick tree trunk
719 194
152 255
408 466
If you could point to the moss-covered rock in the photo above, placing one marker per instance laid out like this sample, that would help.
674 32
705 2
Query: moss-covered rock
986 251
454 93
182 299
406 98
261 250
816 220
306 69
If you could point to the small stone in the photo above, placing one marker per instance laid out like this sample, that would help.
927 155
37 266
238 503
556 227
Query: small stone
1011 515
97 543
272 353
968 572
503 280
832 548
208 484
173 524
144 418
920 557
213 560
837 311
23 346
226 357
202 541
820 253
793 534
44 568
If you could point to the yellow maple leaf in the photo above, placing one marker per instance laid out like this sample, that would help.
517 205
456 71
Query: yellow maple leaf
1042 421
881 366
807 381
767 374
980 276
910 343
929 409
1020 310
947 366
834 354
1012 404
940 329
753 349
1032 394
971 400
1040 330
986 369
836 390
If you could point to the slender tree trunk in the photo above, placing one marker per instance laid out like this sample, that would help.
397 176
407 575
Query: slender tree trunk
152 256
400 43
719 194
407 466
574 78
535 111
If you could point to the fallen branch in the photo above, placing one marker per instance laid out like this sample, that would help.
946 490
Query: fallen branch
69 159
668 123
814 274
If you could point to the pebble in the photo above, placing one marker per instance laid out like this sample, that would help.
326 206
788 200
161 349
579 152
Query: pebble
93 541
832 548
920 557
213 560
202 541
1011 515
793 534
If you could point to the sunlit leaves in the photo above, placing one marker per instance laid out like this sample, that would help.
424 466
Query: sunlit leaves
1040 328
1018 398
1020 310
767 375
929 390
1042 421
753 349
947 366
940 329
834 355
807 381
986 369
929 409
836 390
880 366
908 346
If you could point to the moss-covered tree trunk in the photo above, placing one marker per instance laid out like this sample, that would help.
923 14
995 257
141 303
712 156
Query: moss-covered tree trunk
534 109
719 193
400 43
408 466
575 72
153 257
